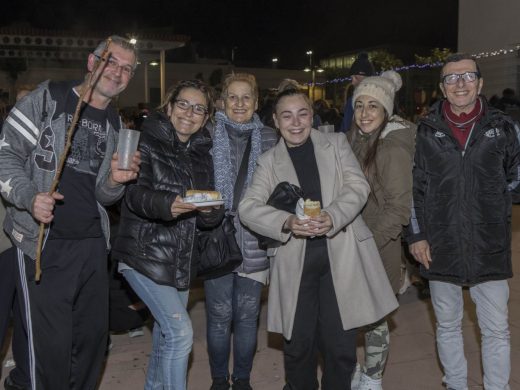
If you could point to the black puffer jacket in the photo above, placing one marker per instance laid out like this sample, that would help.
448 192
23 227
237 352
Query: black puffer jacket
150 240
462 200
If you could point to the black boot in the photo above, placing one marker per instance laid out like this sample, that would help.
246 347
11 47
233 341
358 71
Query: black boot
220 384
241 384
10 385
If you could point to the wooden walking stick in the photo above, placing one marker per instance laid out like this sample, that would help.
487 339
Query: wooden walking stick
68 143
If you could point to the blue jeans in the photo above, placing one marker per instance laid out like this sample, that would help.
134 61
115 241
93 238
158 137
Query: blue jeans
232 299
490 299
172 332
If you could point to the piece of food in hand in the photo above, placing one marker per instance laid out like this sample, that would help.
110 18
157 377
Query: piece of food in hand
202 196
312 208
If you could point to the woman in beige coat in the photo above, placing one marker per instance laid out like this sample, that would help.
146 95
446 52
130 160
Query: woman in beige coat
384 145
326 275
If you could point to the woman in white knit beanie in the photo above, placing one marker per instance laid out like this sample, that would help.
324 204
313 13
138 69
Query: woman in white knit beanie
384 146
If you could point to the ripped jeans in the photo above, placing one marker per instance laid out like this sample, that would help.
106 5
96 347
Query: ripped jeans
232 303
172 332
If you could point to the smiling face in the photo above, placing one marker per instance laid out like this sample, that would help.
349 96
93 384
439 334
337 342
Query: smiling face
369 114
462 95
185 121
240 102
293 117
111 81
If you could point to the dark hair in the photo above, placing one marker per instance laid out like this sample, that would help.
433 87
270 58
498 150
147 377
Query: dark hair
369 164
289 90
174 92
459 57
320 106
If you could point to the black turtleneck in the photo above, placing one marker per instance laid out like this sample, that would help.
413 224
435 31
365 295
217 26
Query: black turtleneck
304 162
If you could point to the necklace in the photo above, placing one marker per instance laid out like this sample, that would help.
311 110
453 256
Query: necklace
463 126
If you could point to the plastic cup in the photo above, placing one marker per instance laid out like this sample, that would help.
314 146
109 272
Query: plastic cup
126 147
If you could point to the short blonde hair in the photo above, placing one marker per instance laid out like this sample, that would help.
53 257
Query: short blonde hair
245 77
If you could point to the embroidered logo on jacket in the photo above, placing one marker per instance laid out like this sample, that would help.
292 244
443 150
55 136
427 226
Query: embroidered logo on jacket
491 133
17 235
439 134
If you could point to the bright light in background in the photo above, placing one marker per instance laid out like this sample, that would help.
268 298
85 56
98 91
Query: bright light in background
309 52
154 63
275 59
133 41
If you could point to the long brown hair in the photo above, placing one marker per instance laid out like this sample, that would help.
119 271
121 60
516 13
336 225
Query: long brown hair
369 163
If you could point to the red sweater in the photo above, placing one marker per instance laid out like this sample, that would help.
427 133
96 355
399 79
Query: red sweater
461 125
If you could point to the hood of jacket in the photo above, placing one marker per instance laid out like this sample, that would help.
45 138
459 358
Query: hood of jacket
401 131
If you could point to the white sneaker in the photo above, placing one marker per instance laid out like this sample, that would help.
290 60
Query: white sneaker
136 332
367 383
356 376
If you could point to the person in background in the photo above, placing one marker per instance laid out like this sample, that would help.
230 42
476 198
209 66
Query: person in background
361 68
466 174
156 246
67 310
18 378
510 104
327 278
384 146
233 300
23 90
328 115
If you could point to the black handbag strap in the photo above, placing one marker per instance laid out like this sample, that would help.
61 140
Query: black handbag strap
241 176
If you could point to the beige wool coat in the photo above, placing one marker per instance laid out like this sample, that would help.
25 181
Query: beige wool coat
362 289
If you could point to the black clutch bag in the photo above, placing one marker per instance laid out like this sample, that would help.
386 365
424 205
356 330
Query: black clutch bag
284 197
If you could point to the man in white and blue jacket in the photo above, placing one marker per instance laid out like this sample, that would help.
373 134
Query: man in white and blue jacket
67 311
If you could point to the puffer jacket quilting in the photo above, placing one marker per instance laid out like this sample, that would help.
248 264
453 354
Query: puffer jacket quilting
462 201
150 240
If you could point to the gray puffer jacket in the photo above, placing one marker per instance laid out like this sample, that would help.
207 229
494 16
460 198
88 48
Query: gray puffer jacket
255 259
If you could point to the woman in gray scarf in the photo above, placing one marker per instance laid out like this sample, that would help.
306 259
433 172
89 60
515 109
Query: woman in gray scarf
234 299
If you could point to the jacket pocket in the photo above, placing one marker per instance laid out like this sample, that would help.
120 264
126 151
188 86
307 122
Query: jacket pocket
361 230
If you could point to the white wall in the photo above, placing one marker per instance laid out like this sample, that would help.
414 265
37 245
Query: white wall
489 25
486 25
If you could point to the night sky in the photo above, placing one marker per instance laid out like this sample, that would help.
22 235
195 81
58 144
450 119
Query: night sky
259 29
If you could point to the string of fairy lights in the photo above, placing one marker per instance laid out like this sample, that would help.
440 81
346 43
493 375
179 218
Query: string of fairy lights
485 54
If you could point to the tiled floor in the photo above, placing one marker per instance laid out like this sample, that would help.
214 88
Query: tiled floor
412 364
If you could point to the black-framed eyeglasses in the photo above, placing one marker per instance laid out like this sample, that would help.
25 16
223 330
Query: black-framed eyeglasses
467 77
113 65
185 105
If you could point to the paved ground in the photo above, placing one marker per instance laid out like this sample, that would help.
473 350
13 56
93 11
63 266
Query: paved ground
412 364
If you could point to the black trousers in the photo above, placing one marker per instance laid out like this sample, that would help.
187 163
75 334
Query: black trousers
67 313
9 303
318 327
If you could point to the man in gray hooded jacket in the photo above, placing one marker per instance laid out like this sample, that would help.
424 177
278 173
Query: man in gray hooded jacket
67 311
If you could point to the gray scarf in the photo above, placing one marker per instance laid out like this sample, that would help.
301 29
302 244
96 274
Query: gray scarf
225 175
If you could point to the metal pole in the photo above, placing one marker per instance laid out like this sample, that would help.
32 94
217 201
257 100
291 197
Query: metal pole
313 82
163 74
146 87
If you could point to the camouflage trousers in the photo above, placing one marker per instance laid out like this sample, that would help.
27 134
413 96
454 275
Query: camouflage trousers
377 341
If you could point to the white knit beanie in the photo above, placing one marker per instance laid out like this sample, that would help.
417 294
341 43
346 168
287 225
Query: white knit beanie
382 88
